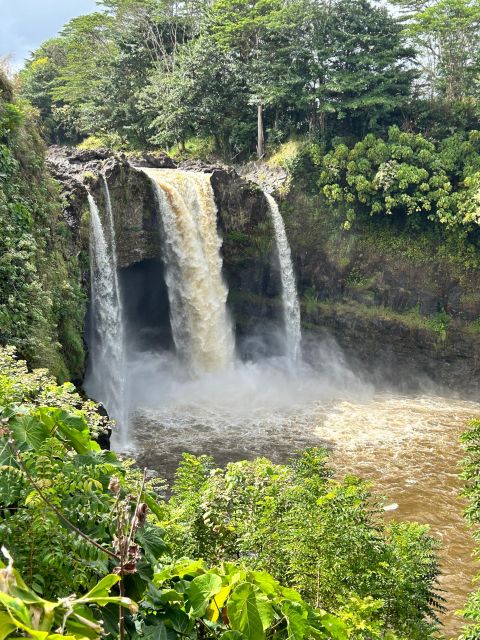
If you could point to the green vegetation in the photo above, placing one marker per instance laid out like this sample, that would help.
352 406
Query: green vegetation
471 440
404 175
376 118
146 72
235 73
75 518
286 519
41 301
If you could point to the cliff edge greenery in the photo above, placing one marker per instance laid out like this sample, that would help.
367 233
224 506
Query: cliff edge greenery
287 551
42 305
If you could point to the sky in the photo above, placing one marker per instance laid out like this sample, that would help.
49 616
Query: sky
25 24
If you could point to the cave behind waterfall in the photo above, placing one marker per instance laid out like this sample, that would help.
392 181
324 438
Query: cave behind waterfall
146 306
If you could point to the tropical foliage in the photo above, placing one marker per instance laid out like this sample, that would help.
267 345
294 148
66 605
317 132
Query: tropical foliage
157 72
287 551
404 175
286 519
41 301
471 440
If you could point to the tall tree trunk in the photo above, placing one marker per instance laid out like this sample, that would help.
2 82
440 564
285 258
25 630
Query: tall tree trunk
260 134
323 123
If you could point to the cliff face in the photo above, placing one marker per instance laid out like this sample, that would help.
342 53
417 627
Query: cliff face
248 249
41 302
403 306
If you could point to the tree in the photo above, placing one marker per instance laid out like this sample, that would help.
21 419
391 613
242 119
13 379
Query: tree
260 36
81 80
204 95
37 80
446 35
360 68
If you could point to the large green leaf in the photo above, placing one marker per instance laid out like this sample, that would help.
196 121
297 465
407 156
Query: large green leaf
185 567
6 625
102 588
249 611
201 591
151 540
158 632
16 608
72 427
179 620
335 627
297 619
266 582
100 594
28 430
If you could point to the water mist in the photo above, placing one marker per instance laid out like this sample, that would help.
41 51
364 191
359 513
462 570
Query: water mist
106 375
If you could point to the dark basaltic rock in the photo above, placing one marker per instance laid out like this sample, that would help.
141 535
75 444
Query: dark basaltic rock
401 308
389 352
157 160
249 254
104 438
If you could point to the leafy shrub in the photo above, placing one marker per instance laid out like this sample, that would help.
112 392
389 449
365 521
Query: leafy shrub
71 514
68 469
108 140
234 603
23 611
404 175
325 538
471 463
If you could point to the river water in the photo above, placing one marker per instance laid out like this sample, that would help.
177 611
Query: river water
407 445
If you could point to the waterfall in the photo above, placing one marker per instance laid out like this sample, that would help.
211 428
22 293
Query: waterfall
197 293
106 377
291 306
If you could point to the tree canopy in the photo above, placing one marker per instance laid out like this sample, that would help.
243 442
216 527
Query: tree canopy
155 72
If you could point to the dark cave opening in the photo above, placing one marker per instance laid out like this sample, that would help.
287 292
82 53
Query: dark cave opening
146 306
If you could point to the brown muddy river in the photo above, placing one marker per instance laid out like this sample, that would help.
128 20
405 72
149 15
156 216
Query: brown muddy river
408 445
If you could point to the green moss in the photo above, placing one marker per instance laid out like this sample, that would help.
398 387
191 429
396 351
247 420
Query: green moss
196 148
41 302
411 318
473 326
237 237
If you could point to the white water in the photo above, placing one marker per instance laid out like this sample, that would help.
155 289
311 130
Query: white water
291 306
106 376
201 327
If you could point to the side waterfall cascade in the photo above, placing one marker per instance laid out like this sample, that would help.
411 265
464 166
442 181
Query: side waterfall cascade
201 326
291 306
106 375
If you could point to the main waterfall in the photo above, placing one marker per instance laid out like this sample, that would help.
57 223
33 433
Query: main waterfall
200 323
106 376
291 306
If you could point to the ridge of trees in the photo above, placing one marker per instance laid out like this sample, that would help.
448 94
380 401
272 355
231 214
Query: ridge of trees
142 73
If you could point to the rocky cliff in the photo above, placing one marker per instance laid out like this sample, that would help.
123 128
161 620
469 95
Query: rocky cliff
250 265
404 307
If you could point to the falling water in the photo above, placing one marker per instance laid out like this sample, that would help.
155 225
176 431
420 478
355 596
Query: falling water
291 307
105 380
200 323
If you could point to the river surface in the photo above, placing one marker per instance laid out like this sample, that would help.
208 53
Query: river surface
408 445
